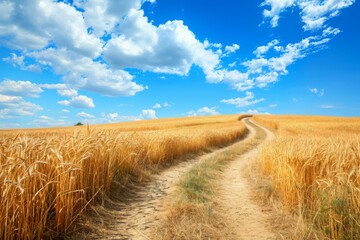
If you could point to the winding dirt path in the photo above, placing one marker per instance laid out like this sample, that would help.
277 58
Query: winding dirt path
135 217
245 219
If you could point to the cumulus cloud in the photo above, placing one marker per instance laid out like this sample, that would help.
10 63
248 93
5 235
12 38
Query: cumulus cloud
44 117
57 86
84 73
19 61
20 88
169 48
55 35
116 117
260 51
80 101
27 89
158 105
314 14
67 92
204 111
318 92
14 106
148 114
113 116
84 115
231 49
248 100
33 25
103 15
263 70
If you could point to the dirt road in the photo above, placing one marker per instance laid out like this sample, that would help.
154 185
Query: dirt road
135 217
245 219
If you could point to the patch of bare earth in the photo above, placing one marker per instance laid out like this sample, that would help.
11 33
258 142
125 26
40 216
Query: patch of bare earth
244 218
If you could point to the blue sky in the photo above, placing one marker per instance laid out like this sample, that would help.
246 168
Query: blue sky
108 61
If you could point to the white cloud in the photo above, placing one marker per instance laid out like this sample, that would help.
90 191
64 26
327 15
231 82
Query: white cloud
204 111
113 116
80 101
18 61
45 23
277 6
314 14
157 105
68 92
83 73
116 117
57 86
262 71
252 111
148 114
318 92
13 106
168 48
65 111
33 25
243 102
273 105
260 51
232 64
43 117
104 15
84 115
231 49
20 88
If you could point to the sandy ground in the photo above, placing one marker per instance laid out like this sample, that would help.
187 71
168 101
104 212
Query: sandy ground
245 219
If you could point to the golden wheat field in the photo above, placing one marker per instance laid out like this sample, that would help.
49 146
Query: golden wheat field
314 165
48 177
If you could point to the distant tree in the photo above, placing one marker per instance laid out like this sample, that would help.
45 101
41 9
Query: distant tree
79 124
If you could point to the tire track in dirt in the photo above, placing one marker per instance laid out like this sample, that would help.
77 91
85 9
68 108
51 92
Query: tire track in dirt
138 214
244 218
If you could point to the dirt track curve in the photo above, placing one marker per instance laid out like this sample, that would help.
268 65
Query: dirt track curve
245 219
136 217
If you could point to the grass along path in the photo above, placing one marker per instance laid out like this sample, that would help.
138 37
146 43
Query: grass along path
196 210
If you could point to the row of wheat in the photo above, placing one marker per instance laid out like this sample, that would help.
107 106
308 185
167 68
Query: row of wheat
314 164
46 181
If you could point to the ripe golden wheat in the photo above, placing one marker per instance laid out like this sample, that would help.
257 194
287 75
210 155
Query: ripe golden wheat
314 164
49 176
